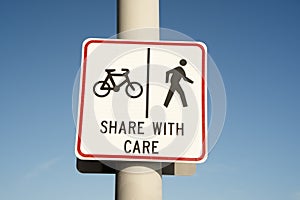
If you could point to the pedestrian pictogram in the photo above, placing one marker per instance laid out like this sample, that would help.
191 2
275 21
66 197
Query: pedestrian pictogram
142 101
178 73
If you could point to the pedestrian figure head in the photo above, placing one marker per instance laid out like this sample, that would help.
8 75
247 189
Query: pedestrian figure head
182 62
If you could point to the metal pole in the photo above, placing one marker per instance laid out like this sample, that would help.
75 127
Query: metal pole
138 14
138 180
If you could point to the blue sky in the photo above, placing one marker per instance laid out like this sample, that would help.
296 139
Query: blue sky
254 43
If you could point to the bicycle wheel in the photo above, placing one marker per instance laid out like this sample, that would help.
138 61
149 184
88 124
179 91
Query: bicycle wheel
134 89
98 89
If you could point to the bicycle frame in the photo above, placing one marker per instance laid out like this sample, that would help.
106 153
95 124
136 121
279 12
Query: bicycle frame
110 77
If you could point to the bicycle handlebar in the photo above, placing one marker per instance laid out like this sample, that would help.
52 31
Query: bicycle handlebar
110 70
126 70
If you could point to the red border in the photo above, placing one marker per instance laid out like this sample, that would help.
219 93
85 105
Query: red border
142 157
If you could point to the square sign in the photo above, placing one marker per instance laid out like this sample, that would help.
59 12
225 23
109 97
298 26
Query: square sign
142 101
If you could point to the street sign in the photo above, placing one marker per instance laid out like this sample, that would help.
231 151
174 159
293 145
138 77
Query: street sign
142 101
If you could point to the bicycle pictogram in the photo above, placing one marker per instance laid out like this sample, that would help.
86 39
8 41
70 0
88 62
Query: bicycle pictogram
103 88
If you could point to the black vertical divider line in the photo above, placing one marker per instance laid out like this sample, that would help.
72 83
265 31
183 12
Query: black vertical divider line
147 85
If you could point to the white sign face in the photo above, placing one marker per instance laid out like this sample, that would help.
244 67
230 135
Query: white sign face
142 101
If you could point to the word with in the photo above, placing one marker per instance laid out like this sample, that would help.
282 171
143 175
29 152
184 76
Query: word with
168 128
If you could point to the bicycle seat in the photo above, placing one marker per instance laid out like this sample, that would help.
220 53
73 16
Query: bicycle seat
110 70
